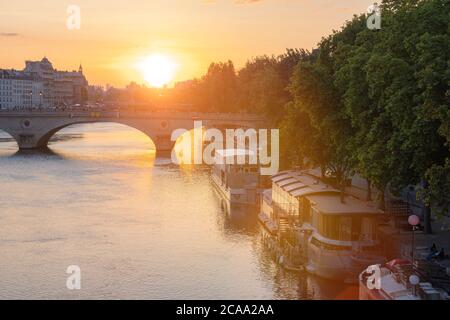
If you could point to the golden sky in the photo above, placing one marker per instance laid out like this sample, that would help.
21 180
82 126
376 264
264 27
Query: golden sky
116 35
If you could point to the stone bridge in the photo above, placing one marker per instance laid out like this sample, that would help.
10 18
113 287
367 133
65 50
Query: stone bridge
33 130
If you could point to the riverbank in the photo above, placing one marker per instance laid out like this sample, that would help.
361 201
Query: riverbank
296 234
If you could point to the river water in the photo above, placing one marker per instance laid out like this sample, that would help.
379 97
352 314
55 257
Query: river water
138 227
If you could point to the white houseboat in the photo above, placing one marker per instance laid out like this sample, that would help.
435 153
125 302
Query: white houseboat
330 238
237 184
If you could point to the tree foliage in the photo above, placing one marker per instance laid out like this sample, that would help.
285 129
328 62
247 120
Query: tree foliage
389 91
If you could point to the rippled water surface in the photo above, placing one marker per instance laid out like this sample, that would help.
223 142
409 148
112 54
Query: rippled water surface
138 227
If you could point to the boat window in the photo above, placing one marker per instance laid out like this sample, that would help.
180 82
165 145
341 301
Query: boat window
306 208
368 228
335 227
345 228
329 226
314 217
356 228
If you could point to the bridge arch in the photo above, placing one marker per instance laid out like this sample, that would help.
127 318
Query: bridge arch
33 130
120 133
36 138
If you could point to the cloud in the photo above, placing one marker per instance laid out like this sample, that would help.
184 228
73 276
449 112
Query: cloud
8 34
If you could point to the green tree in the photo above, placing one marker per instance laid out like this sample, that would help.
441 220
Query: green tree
219 87
395 88
315 95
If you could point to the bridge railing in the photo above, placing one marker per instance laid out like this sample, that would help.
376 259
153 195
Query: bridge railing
99 113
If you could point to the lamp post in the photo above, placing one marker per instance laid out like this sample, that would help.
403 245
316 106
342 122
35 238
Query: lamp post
414 221
414 280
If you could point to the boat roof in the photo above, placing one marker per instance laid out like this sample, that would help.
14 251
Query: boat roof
294 186
311 190
326 198
331 204
280 177
286 182
281 173
300 184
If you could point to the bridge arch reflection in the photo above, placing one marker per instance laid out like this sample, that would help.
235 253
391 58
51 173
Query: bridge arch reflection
34 130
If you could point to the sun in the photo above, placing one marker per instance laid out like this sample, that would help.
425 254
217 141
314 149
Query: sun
158 70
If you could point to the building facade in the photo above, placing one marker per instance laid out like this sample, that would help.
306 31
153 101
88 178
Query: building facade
40 85
19 90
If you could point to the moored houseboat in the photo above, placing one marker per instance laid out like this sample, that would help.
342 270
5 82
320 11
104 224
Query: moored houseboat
344 238
315 229
265 215
238 185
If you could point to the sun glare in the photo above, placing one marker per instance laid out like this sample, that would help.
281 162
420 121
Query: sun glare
158 70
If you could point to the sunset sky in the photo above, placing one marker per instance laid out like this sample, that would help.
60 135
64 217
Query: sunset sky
115 36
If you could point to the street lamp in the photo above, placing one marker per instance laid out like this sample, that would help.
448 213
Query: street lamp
414 280
413 221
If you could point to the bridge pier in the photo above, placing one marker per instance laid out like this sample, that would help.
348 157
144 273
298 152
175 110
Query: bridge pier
164 146
28 141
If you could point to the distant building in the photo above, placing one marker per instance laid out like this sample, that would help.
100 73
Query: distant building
60 87
19 90
41 85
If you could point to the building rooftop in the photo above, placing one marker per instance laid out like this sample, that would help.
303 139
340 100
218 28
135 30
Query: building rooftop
15 74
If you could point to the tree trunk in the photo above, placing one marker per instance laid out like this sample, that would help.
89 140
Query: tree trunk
383 199
342 193
427 220
322 171
341 182
427 214
369 191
